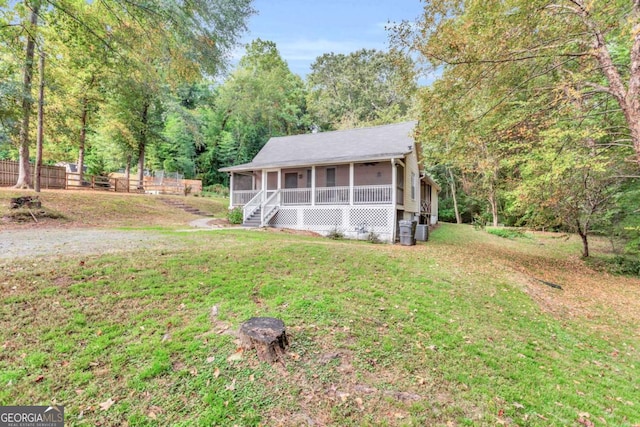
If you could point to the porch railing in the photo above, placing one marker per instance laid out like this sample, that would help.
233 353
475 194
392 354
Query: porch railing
270 207
372 194
296 196
252 206
332 196
242 197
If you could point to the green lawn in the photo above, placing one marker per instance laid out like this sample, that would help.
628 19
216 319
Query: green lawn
452 332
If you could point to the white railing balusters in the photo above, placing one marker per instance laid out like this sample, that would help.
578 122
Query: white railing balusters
296 196
242 197
252 205
270 207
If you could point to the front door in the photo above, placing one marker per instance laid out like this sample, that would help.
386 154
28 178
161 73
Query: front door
291 180
272 182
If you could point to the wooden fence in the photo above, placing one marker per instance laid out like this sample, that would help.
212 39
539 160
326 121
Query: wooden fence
58 177
50 176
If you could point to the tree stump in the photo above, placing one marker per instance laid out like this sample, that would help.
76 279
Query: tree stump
28 201
267 335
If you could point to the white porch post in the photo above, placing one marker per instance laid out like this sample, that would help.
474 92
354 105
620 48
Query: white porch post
279 179
433 220
231 190
264 184
351 181
313 185
394 183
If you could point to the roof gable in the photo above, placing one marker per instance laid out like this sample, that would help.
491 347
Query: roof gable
360 144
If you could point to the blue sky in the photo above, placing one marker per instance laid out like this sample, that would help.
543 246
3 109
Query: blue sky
305 29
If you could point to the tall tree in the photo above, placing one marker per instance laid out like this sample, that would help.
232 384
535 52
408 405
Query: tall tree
590 46
364 87
260 99
24 172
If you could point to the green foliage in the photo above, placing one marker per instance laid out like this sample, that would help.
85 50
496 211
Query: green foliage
217 189
527 133
366 87
236 215
260 99
507 233
618 265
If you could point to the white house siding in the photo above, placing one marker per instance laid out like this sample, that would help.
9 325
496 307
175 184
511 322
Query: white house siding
411 166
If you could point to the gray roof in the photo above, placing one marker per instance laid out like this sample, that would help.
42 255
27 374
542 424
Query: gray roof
353 145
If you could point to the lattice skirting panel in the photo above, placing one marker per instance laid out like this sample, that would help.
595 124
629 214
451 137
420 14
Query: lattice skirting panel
354 222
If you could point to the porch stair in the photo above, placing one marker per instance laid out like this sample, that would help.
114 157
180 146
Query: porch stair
254 219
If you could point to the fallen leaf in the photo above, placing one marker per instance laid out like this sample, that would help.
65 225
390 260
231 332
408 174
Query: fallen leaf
79 391
518 405
106 404
166 337
39 378
252 378
216 373
236 356
231 386
211 359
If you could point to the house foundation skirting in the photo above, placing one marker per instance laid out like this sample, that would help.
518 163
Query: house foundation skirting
355 222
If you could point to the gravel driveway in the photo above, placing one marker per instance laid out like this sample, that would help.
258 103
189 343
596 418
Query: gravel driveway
47 242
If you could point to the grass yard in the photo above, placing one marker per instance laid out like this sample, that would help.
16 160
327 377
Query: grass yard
458 331
105 209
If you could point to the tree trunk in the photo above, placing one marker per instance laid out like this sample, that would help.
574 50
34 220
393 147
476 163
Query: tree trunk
84 117
40 139
493 201
628 98
24 173
585 243
127 172
142 143
452 185
83 138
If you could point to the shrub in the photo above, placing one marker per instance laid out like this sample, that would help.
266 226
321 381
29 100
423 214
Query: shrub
217 189
335 234
623 265
507 233
235 215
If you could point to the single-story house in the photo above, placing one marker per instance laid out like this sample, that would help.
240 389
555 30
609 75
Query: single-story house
355 182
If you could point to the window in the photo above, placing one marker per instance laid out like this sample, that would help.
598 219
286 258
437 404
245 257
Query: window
413 185
291 180
331 177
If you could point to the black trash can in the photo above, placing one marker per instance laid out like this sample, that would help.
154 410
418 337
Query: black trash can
407 232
